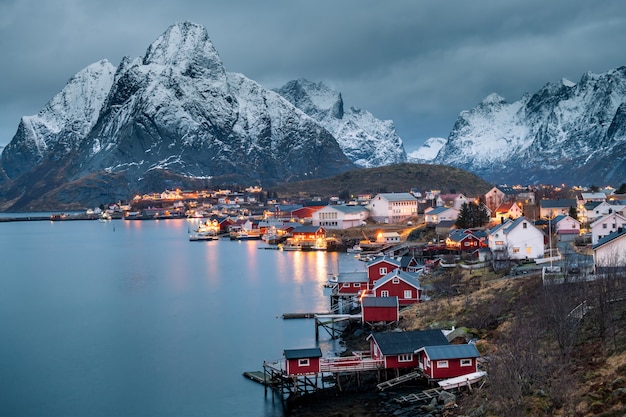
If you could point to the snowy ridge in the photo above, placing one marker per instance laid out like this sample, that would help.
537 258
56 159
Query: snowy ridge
176 109
564 133
428 151
364 139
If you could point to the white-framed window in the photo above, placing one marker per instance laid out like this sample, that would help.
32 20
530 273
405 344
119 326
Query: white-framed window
383 270
304 362
466 362
406 357
396 280
408 294
442 364
384 293
357 284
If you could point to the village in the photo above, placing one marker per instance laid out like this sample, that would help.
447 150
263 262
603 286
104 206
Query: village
402 237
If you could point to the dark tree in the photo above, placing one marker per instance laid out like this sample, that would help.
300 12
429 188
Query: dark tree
621 189
573 213
472 215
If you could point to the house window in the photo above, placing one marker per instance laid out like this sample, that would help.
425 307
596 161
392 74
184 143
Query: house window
528 250
466 362
515 250
407 357
396 281
357 284
303 362
384 293
604 226
442 364
345 285
499 242
383 271
525 225
408 294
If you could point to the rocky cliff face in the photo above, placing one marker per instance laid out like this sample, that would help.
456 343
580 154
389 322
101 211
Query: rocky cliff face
365 140
172 118
572 133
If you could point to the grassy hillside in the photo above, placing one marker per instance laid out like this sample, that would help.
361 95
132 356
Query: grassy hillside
392 178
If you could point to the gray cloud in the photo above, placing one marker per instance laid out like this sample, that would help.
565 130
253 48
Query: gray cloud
418 63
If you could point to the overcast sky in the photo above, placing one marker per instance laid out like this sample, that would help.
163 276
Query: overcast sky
416 62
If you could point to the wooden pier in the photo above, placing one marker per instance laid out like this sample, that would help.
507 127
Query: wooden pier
426 395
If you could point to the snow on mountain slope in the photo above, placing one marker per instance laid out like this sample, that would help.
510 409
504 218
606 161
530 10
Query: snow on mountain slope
564 133
65 120
428 151
177 110
366 140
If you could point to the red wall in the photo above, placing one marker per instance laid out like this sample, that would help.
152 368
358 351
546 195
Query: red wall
373 314
454 369
398 291
373 271
294 369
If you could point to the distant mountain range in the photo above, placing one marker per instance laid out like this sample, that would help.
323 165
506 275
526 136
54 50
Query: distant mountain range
175 118
572 133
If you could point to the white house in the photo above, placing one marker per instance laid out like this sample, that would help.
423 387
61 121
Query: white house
508 210
435 215
610 252
339 216
606 225
565 227
451 200
392 207
517 239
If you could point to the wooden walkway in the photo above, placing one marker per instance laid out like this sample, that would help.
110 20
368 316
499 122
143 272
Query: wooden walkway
399 380
426 395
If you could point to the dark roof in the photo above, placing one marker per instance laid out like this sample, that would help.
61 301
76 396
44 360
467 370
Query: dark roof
303 353
379 301
562 203
606 239
451 352
397 343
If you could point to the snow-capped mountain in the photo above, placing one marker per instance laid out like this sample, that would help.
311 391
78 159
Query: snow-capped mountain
169 118
572 133
428 151
366 140
63 123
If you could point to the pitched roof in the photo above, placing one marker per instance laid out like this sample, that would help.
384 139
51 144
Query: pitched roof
608 238
396 343
356 276
398 273
303 353
379 301
562 203
349 209
381 259
451 351
398 196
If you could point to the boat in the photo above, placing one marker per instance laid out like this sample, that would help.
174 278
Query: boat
290 246
462 381
195 237
355 249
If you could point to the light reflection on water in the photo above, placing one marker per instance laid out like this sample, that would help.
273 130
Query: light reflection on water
130 318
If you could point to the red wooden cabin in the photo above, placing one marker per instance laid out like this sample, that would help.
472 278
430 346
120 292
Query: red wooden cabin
448 361
380 309
351 283
380 267
400 284
302 361
397 349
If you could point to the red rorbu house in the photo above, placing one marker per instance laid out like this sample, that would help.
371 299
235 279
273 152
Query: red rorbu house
309 236
399 284
397 349
380 309
448 361
302 361
351 283
462 240
408 263
380 267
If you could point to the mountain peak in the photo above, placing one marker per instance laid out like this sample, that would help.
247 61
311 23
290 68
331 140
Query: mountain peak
182 45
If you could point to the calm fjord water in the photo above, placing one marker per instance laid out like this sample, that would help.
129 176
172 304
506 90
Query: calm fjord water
129 318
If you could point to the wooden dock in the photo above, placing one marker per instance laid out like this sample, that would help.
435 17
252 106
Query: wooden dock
399 380
256 376
289 316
